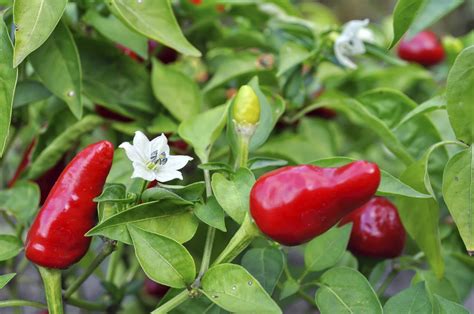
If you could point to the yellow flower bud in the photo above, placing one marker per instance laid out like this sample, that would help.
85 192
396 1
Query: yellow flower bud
246 109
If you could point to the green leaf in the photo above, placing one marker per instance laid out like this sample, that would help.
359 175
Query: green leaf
232 67
60 145
4 279
114 30
434 285
170 217
233 195
234 289
178 93
34 21
460 95
29 91
266 265
10 246
448 307
290 287
163 259
114 80
22 200
345 290
348 260
389 185
202 130
290 55
420 216
435 103
361 114
211 213
433 11
264 162
8 77
412 300
114 193
458 193
403 16
58 66
270 113
154 21
327 249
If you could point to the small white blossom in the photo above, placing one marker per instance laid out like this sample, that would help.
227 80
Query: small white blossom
351 41
152 160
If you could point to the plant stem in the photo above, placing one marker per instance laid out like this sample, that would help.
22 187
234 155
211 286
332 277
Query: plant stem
387 281
52 289
307 298
113 262
171 304
206 258
243 154
107 249
211 232
15 303
83 304
239 242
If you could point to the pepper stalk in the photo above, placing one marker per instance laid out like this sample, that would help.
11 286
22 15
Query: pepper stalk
52 289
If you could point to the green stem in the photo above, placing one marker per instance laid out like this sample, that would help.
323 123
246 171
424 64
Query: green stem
52 289
113 262
107 249
239 242
308 299
171 304
211 232
387 281
16 303
243 154
87 305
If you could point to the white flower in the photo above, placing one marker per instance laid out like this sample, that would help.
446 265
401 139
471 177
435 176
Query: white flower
152 160
351 41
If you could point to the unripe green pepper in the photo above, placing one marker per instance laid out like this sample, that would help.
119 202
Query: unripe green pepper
246 110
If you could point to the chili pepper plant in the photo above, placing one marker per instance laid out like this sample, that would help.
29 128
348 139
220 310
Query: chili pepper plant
224 156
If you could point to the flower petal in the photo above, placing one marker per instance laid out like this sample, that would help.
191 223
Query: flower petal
177 162
159 143
164 175
131 152
140 171
142 145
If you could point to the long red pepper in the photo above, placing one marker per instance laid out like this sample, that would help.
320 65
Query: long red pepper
24 163
56 238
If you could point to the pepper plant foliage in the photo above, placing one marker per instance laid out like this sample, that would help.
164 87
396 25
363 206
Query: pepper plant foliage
77 72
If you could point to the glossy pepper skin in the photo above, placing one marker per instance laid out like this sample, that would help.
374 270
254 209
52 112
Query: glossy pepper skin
424 48
56 238
376 229
294 204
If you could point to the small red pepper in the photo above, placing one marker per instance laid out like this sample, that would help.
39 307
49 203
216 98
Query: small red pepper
56 238
294 204
129 52
155 289
105 112
24 163
376 230
424 48
196 2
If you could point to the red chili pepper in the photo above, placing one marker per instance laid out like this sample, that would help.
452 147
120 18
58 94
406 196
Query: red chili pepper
294 204
56 238
377 230
323 113
129 52
196 2
105 112
155 289
424 48
24 163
